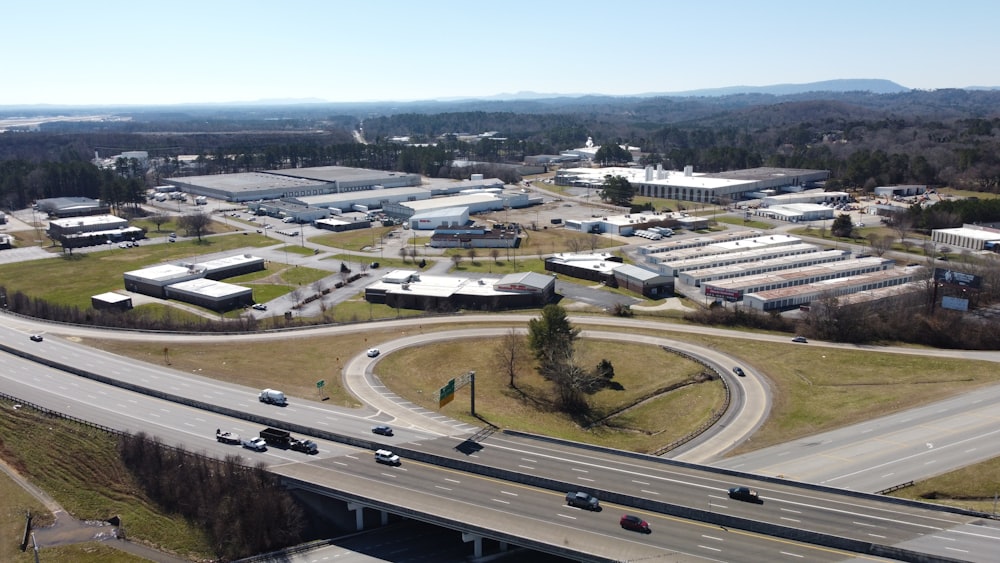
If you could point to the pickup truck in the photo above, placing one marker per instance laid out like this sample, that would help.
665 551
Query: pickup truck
226 437
304 446
583 500
255 444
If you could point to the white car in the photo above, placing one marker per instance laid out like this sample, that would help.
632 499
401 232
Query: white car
373 352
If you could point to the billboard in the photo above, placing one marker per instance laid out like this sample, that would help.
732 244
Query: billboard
727 294
957 279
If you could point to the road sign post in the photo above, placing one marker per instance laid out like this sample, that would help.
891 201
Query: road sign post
447 393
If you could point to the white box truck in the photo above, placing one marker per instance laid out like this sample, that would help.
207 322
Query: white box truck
272 397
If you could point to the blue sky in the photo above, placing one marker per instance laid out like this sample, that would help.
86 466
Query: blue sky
113 52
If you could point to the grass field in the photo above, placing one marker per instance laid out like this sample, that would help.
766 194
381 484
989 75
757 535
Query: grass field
656 418
73 279
971 487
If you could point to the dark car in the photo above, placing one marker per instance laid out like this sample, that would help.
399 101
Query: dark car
746 494
801 339
739 371
36 337
635 524
583 500
383 430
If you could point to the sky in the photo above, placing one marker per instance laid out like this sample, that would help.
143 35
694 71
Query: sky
218 51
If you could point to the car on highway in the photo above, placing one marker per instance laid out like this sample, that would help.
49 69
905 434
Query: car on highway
635 524
745 494
259 307
386 457
382 430
739 371
36 337
801 339
583 500
256 444
373 352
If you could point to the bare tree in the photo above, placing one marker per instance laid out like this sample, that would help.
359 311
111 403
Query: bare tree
880 243
574 244
495 254
901 224
471 253
196 224
158 219
456 259
403 252
318 286
510 351
296 296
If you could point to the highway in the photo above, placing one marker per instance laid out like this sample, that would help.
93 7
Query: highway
472 498
819 511
890 450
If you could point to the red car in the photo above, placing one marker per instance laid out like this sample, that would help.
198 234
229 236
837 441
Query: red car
635 524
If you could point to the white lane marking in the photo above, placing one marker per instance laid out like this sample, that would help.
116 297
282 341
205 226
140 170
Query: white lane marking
791 554
709 548
712 538
976 439
508 493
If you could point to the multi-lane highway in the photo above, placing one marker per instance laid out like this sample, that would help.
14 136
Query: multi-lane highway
510 503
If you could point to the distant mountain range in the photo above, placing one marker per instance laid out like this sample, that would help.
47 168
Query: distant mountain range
873 85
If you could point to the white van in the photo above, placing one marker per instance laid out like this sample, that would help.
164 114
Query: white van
273 397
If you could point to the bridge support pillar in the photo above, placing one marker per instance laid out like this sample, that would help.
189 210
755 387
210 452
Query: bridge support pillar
384 517
359 515
477 549
503 547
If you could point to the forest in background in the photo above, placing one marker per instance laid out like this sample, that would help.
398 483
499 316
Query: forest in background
943 137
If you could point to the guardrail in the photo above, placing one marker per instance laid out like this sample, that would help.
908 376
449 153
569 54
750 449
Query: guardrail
806 536
716 415
894 488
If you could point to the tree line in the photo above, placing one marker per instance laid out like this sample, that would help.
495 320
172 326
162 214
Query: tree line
243 510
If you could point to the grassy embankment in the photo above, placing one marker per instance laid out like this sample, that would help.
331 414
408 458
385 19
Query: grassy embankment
79 468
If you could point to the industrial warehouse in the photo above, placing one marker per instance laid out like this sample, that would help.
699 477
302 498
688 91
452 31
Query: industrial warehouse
409 289
198 283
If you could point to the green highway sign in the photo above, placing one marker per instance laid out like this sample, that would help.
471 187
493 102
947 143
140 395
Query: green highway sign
446 394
